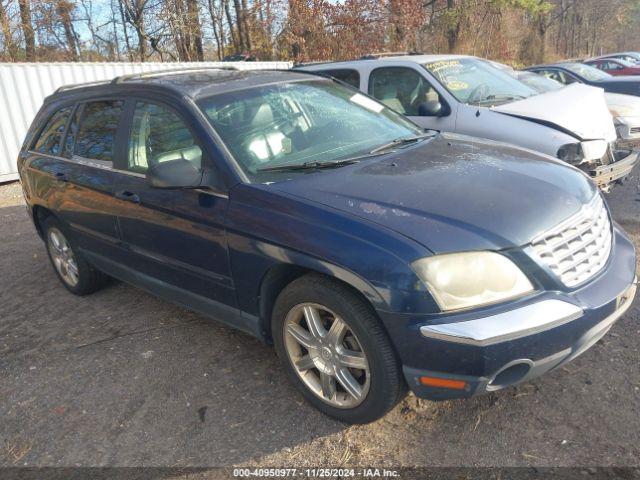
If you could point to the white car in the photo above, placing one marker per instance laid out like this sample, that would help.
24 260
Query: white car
468 95
625 109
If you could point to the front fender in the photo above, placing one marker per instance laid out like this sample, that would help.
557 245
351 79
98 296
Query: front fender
267 228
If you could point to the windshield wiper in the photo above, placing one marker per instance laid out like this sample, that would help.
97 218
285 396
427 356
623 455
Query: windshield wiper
398 142
314 165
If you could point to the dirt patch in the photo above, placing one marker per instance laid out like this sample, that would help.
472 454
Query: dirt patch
122 378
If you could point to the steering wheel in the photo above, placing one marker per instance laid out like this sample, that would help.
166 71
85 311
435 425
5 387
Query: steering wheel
478 93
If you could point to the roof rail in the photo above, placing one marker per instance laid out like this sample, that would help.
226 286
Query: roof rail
317 62
376 55
73 86
124 78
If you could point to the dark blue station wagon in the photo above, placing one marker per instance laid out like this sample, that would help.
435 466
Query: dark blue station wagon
374 255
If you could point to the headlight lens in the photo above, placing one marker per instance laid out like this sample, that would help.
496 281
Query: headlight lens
471 279
571 153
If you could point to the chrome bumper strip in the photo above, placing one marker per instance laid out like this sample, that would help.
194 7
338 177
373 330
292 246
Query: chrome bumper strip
521 322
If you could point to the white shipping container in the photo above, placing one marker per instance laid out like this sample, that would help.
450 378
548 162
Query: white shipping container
24 86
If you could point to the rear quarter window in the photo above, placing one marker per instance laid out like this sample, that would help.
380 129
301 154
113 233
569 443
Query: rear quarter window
347 75
50 138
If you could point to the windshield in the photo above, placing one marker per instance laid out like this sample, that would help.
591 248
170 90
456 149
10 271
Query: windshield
475 81
633 61
587 72
298 122
539 83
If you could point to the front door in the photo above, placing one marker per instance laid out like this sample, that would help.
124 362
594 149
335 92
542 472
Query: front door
174 238
406 91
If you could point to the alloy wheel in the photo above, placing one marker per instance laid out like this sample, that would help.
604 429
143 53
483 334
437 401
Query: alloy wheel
326 355
63 258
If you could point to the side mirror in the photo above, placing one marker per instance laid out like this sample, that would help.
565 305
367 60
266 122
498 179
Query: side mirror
178 173
432 108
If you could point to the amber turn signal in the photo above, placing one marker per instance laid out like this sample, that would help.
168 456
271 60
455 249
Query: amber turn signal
443 383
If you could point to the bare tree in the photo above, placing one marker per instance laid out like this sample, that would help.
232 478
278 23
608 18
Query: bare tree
10 46
134 14
217 15
64 10
193 24
26 24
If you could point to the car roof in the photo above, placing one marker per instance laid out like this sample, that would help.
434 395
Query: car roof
609 55
553 65
420 59
193 83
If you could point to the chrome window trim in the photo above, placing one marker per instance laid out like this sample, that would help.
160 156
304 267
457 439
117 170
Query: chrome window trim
76 159
520 322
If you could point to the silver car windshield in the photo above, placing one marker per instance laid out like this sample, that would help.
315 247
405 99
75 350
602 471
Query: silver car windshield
474 81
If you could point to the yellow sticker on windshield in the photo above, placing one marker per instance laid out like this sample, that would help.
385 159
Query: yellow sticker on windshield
436 66
457 85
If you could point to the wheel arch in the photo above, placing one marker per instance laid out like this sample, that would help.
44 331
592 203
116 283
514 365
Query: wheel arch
278 276
39 214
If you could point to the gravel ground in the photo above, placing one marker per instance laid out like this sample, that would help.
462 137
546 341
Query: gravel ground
121 378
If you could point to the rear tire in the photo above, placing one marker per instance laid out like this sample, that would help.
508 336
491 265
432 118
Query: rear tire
335 350
73 270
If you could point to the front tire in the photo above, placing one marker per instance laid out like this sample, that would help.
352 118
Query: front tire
75 273
334 348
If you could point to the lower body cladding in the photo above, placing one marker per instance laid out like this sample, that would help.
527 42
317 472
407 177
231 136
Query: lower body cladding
473 354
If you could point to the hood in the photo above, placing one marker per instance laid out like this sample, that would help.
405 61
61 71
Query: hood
452 193
621 105
578 109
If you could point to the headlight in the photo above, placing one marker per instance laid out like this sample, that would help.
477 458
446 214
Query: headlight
571 153
471 279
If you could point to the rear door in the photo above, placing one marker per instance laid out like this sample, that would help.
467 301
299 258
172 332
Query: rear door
175 239
76 152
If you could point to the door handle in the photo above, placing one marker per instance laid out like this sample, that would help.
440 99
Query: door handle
128 196
61 177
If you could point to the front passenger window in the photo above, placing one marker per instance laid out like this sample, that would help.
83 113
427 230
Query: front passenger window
401 89
158 135
552 74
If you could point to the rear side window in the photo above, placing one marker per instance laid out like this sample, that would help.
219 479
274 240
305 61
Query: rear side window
50 139
97 130
347 75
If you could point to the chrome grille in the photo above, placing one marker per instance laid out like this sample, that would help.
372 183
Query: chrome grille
579 247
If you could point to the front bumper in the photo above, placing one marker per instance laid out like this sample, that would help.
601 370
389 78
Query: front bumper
606 175
476 352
